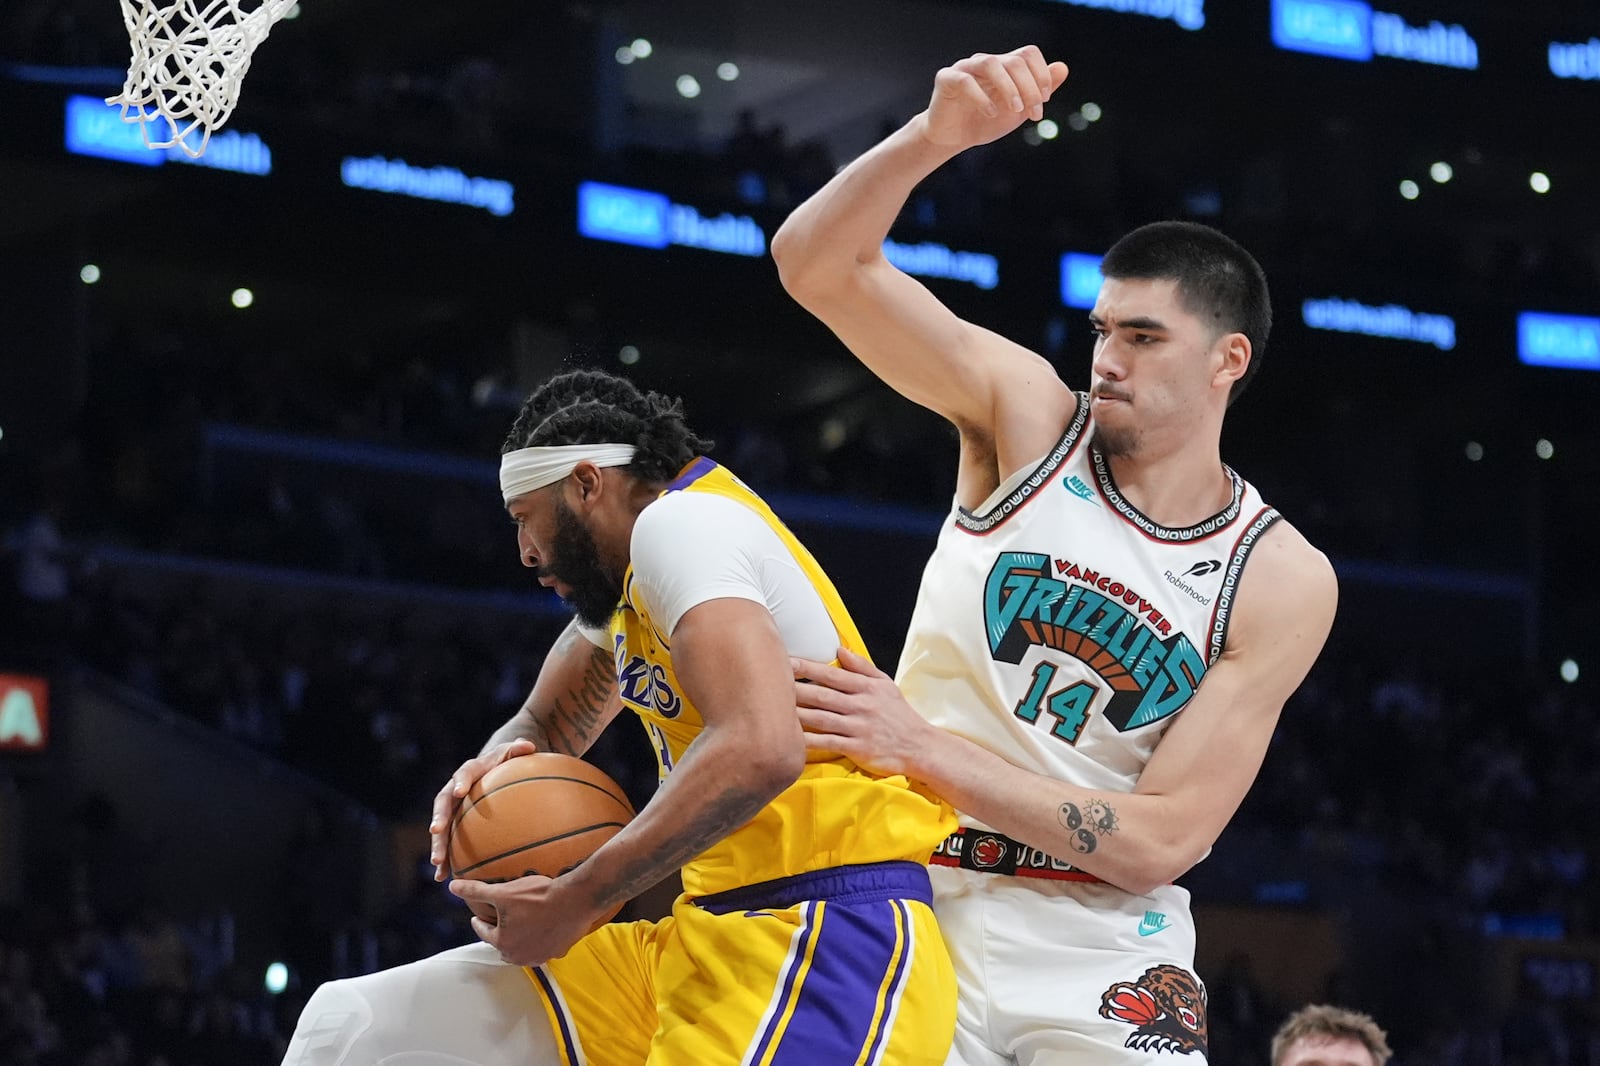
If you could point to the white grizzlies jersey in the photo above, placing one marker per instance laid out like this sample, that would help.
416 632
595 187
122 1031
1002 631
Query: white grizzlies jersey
1061 628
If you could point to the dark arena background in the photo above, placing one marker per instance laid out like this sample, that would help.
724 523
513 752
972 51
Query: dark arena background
259 597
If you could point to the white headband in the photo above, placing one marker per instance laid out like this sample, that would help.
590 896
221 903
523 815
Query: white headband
527 469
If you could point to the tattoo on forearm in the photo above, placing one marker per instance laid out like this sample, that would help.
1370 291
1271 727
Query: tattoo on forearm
576 718
727 812
1095 819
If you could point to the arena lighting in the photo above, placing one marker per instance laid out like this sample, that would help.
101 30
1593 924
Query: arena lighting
1409 189
1091 111
650 220
1441 172
1080 279
1539 182
1577 60
242 298
277 978
1544 449
1391 321
628 355
89 274
688 86
1474 451
1571 342
1352 30
1569 670
443 184
625 55
1048 130
1077 121
1340 29
1187 14
641 48
728 71
929 259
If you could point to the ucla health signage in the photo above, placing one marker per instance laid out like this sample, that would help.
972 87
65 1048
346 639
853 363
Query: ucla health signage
1580 60
1568 341
95 128
647 219
931 260
1391 321
1080 279
1189 14
447 185
1351 29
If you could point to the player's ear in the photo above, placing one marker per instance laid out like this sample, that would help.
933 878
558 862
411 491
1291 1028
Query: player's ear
587 482
1232 359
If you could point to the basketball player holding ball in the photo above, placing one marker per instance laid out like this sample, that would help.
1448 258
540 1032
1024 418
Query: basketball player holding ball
804 932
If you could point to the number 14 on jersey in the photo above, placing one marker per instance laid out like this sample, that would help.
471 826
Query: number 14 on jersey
1069 706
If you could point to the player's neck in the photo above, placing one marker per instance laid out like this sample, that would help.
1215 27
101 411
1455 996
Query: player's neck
615 535
1175 488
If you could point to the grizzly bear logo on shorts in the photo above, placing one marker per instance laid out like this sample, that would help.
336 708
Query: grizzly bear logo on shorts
1167 1005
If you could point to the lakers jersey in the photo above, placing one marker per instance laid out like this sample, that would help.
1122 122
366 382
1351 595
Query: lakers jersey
836 814
1062 629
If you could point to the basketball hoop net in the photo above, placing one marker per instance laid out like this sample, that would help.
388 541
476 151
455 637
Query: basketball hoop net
188 59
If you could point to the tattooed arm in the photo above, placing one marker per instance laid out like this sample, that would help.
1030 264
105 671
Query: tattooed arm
732 665
574 698
1188 791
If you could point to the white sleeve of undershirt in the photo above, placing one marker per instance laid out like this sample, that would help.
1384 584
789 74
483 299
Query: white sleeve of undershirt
690 547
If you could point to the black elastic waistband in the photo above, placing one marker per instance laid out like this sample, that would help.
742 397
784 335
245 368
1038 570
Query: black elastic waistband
989 852
864 883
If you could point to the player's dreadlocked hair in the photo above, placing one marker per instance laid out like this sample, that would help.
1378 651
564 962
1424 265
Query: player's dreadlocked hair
592 407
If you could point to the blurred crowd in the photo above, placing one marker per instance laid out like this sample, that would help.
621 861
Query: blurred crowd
85 989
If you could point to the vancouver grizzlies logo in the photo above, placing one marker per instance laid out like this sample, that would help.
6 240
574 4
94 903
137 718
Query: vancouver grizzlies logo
1150 671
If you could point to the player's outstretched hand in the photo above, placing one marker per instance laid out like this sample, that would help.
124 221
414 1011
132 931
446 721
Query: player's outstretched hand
857 710
449 797
984 97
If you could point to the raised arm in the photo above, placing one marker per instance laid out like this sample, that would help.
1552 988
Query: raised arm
1193 783
830 258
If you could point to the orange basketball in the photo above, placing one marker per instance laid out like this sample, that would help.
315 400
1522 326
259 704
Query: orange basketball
536 814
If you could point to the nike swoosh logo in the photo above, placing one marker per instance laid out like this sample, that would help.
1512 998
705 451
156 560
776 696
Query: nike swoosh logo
1146 929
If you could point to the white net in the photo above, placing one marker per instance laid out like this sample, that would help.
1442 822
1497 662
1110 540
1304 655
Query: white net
188 59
